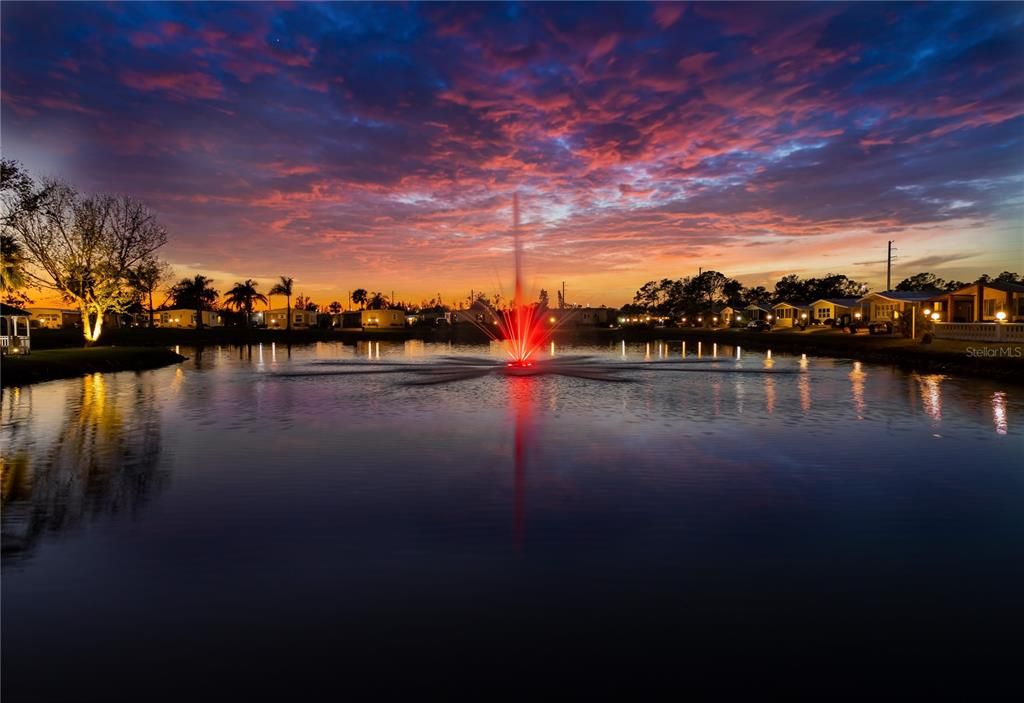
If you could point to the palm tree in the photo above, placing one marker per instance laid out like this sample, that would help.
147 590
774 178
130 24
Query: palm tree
359 297
285 288
195 293
12 275
243 296
334 308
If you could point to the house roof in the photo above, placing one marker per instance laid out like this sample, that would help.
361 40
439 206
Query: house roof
1005 287
755 306
841 302
798 306
905 296
6 309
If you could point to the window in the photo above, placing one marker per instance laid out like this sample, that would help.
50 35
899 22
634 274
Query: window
1020 306
823 313
298 319
990 307
938 306
884 311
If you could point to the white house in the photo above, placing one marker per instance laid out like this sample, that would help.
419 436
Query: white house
182 318
54 318
758 312
277 318
367 320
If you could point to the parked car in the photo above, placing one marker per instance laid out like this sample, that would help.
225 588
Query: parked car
758 326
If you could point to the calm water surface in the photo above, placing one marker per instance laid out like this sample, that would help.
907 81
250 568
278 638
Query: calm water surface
219 528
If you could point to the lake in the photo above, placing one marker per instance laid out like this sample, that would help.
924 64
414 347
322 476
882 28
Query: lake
223 528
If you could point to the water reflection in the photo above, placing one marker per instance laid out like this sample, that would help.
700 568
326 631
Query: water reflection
931 396
999 412
857 376
100 458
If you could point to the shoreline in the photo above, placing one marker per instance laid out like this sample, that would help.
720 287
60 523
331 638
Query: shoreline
54 364
995 361
139 349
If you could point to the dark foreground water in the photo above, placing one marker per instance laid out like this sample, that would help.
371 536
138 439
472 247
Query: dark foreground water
217 531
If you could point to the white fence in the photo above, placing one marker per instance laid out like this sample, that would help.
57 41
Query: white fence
981 331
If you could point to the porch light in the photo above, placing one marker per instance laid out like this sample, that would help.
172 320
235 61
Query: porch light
803 316
857 315
936 317
927 312
1001 316
739 318
769 317
715 319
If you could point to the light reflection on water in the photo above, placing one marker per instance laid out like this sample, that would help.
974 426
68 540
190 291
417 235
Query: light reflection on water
221 479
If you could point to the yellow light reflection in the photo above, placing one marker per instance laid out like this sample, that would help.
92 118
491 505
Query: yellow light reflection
999 412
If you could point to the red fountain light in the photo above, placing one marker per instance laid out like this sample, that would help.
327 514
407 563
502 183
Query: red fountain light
521 326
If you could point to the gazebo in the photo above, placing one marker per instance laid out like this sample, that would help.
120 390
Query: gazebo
14 330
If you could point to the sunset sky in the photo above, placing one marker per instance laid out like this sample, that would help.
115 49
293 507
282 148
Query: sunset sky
378 145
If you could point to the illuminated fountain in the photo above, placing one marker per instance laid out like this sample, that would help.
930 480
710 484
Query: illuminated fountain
522 332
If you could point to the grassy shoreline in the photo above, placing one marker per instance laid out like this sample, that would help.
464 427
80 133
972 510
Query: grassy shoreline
52 364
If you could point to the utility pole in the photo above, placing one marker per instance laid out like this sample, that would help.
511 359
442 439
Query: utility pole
888 267
564 304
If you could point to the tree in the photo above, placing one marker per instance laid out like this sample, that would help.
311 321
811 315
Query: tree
542 299
12 275
921 282
194 294
377 301
790 288
708 287
758 295
561 300
147 277
334 308
86 248
1007 277
284 287
954 285
359 297
243 297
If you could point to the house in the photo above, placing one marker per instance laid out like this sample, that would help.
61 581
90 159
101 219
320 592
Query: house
478 314
369 320
834 311
981 302
182 318
758 312
581 317
14 330
720 315
791 314
891 305
277 319
54 318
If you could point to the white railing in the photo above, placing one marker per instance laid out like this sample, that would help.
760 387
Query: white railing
15 345
981 331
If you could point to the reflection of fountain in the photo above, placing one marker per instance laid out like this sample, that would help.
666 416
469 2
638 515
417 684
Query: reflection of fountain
519 390
101 462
